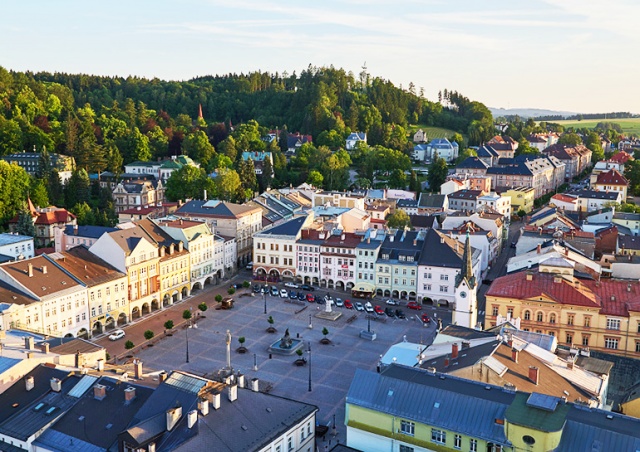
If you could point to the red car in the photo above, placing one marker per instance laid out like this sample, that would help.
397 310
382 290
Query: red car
378 310
348 304
425 318
310 298
414 305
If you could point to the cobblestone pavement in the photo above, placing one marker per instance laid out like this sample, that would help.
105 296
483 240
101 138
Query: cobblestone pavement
331 368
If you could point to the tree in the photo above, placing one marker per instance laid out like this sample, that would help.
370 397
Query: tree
84 214
570 139
271 328
25 224
218 298
55 190
186 314
231 290
438 171
398 179
38 192
242 348
227 184
189 182
414 183
595 145
398 220
128 345
202 306
197 147
168 325
148 335
315 178
247 173
78 188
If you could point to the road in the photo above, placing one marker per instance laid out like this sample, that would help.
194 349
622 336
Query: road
500 266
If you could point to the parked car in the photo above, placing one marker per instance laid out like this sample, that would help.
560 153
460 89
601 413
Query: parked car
400 314
378 310
310 298
301 296
339 302
293 295
265 289
291 285
284 293
359 306
389 312
348 304
368 307
274 291
307 287
425 318
257 288
117 334
237 286
391 302
414 305
249 266
319 299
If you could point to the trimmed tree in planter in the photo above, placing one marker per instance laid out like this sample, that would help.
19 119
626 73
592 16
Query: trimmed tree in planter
242 348
325 339
186 314
231 291
271 328
203 306
300 361
148 335
246 284
219 298
168 325
128 345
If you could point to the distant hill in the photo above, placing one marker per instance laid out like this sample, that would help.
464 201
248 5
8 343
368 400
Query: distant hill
528 112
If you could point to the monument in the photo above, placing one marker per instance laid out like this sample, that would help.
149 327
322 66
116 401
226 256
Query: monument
328 313
286 345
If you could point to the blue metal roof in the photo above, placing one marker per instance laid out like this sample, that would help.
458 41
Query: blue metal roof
291 227
94 232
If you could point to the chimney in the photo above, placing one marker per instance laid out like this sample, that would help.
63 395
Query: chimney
391 238
75 229
205 195
192 418
44 347
539 249
28 343
514 355
29 383
30 270
56 384
162 376
570 364
203 406
129 394
533 374
415 242
44 269
29 355
137 369
529 276
173 415
557 279
232 392
241 380
214 398
466 345
99 392
446 362
255 384
454 350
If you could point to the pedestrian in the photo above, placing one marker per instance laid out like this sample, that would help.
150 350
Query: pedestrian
435 315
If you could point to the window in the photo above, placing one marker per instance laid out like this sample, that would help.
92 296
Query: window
613 324
552 318
570 319
585 340
494 311
457 441
569 338
404 448
637 347
290 444
540 317
510 312
527 315
444 289
438 436
587 321
473 445
407 427
444 277
428 276
611 343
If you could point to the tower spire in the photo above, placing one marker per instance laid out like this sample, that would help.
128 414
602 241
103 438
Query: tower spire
467 266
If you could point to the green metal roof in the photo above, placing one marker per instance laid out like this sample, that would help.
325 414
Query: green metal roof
550 419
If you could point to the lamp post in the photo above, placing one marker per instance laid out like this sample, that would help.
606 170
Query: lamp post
309 351
255 362
264 297
187 334
310 324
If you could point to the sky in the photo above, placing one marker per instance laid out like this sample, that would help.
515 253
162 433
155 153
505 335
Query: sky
568 55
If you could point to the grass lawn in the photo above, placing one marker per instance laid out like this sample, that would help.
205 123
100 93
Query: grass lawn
431 132
628 125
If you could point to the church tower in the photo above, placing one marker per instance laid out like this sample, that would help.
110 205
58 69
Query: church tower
466 304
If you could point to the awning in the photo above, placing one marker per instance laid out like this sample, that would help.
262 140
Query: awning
364 287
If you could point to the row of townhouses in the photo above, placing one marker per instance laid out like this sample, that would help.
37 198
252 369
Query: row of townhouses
101 278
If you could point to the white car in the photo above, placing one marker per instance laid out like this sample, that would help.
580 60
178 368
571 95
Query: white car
284 293
117 334
358 306
291 285
368 307
391 302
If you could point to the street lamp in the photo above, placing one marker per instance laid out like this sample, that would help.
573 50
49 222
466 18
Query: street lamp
255 363
310 324
309 351
187 333
264 296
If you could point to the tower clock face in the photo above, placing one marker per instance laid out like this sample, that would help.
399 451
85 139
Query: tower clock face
463 294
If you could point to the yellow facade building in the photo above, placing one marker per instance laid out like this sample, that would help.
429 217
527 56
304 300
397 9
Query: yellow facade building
521 198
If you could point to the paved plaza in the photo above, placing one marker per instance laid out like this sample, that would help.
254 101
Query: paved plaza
332 365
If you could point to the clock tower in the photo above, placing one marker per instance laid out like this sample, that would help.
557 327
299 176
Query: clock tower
466 307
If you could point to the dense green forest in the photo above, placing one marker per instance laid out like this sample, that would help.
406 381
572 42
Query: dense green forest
105 122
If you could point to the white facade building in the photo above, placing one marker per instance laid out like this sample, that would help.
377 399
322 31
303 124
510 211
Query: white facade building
15 246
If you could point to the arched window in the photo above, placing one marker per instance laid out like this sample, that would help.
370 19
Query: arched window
552 318
540 317
527 315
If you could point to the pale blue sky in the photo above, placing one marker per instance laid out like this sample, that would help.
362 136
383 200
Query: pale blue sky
574 55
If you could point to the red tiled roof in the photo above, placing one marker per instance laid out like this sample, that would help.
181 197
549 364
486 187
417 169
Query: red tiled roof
621 157
564 198
612 177
57 216
614 297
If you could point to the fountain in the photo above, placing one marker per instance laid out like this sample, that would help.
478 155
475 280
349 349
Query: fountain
286 345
